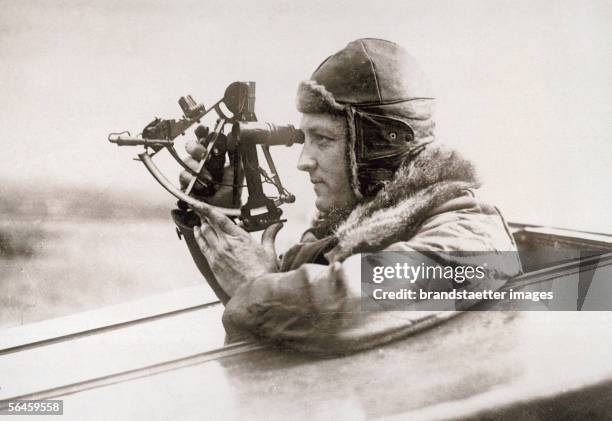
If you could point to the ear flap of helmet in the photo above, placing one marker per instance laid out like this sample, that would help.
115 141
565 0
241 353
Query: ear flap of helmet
379 137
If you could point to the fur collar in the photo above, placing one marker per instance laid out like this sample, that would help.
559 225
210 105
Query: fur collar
434 177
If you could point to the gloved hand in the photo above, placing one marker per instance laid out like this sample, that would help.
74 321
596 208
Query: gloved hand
217 195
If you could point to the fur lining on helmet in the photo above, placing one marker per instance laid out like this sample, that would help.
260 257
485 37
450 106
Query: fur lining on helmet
313 98
420 185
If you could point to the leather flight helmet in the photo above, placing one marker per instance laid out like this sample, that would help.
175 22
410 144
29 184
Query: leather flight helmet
388 103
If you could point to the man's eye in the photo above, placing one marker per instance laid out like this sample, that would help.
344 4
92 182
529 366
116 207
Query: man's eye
322 139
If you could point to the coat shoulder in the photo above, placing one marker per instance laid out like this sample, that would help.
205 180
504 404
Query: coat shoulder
464 223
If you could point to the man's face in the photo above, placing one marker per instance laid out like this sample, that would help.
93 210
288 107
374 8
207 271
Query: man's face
324 158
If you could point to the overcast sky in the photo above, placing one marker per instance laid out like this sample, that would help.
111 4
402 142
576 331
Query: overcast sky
523 87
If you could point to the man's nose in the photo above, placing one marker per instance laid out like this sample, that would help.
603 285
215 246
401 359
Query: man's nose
306 161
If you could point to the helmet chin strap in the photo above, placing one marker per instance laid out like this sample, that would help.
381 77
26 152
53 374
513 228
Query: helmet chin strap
351 154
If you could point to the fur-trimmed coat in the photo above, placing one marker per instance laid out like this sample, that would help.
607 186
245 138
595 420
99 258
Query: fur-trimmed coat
313 304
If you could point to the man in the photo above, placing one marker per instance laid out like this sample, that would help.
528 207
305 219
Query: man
381 183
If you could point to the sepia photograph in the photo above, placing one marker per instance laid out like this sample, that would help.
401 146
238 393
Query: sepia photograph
306 210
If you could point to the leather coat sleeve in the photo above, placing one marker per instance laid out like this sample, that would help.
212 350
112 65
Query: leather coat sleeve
291 305
317 308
